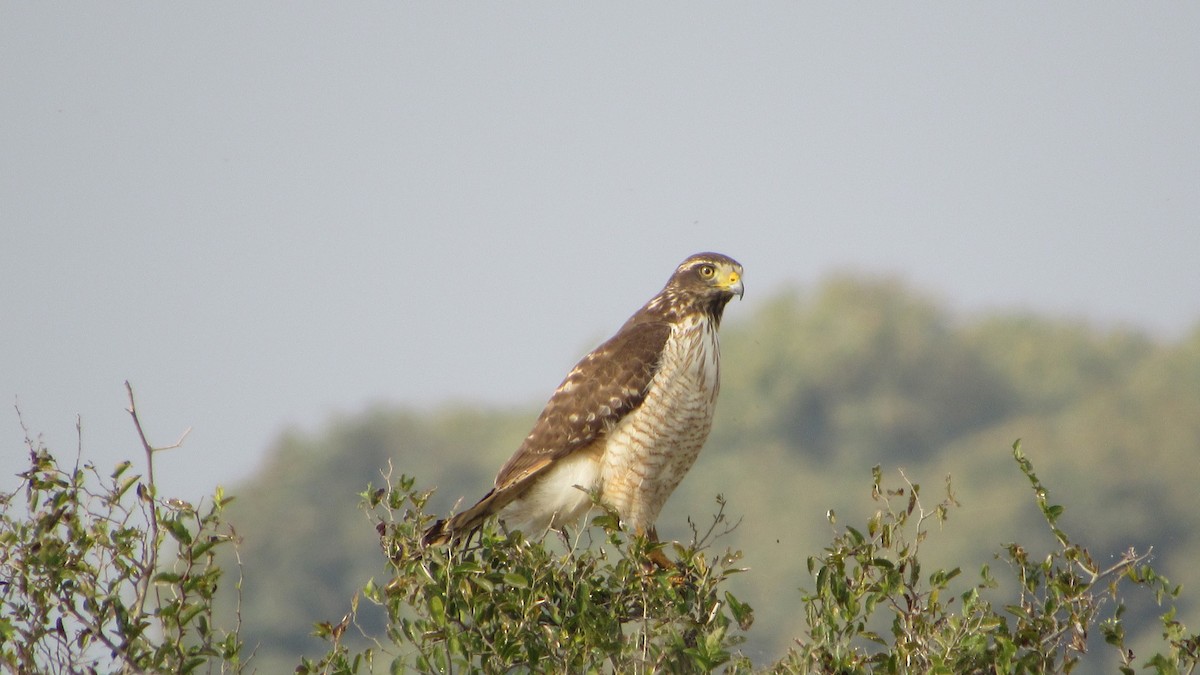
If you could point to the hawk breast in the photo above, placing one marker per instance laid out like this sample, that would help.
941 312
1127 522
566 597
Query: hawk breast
649 451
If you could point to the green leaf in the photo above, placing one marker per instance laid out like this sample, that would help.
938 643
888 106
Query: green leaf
179 531
120 469
167 578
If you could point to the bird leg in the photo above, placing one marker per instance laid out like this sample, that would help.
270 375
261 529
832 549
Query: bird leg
656 556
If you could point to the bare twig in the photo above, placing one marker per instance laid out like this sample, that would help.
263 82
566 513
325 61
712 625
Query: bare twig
29 443
699 542
151 564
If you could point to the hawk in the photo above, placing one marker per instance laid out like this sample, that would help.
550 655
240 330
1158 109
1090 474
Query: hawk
627 422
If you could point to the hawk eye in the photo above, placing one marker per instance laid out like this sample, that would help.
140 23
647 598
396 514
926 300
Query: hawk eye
707 271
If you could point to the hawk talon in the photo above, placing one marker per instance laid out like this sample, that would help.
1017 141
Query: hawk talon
660 560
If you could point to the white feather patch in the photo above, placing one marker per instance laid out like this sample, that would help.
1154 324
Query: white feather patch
557 498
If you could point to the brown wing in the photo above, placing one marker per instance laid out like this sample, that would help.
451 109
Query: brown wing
605 386
602 388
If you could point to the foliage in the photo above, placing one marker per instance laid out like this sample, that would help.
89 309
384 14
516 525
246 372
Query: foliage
1060 598
304 550
503 602
100 574
863 366
85 589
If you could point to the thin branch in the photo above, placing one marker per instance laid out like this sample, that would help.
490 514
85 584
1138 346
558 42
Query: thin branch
78 443
702 542
25 430
1129 559
152 564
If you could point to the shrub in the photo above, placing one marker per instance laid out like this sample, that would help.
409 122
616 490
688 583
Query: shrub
99 574
503 602
864 581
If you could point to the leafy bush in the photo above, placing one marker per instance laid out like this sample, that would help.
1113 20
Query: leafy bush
99 574
503 602
864 581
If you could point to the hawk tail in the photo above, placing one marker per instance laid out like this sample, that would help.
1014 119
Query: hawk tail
462 524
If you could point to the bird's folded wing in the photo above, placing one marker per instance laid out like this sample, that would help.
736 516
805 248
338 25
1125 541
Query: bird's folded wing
604 387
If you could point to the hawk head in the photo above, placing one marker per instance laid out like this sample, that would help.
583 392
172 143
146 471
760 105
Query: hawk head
703 283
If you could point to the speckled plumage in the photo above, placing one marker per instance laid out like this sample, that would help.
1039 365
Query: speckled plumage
627 422
650 450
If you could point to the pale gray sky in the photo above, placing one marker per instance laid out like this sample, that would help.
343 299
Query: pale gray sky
266 214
